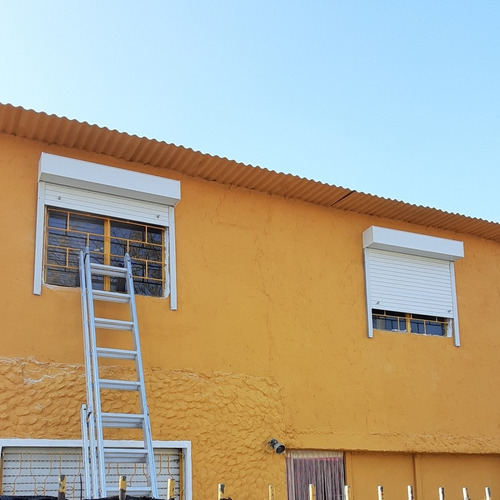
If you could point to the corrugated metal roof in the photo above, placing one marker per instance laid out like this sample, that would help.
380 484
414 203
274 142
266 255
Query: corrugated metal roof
61 131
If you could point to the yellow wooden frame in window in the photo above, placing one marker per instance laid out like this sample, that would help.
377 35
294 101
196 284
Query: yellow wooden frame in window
67 232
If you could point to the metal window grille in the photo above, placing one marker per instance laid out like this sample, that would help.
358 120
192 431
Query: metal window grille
67 232
407 322
35 471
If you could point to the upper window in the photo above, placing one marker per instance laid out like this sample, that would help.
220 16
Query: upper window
108 239
410 282
112 210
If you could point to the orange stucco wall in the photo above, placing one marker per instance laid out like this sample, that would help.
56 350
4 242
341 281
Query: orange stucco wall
269 339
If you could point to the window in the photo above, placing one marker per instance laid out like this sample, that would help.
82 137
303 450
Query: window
108 239
406 322
410 282
115 211
324 469
32 467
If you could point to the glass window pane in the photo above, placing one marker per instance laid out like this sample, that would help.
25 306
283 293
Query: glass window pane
150 289
74 259
138 268
118 247
137 251
96 244
435 328
155 271
118 285
417 326
56 256
63 277
155 235
87 224
127 230
57 219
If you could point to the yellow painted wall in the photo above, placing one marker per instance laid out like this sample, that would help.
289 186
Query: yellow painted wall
269 339
426 473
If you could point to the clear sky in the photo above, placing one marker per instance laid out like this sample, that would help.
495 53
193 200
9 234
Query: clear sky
398 98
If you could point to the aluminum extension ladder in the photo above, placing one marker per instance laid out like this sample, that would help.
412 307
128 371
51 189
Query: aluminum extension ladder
98 457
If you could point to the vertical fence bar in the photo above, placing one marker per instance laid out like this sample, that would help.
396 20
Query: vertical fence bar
171 489
312 492
487 493
380 491
410 492
220 491
347 492
61 492
465 494
122 485
441 493
271 492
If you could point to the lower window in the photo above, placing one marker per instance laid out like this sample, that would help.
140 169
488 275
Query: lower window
29 471
410 323
68 232
323 469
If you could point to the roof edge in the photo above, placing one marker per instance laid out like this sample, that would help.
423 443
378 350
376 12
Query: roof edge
70 133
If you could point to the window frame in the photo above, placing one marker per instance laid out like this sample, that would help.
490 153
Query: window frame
297 487
97 189
101 232
396 244
184 446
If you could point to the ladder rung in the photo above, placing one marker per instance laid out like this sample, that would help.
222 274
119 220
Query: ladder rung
104 295
113 324
107 352
125 455
136 491
104 270
122 420
119 385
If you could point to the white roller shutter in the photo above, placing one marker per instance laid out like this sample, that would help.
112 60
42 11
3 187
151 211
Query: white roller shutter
31 471
109 205
410 283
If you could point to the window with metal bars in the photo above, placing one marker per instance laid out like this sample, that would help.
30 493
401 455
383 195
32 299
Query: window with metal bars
410 323
68 232
33 471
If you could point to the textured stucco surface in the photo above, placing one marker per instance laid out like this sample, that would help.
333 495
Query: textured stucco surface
221 413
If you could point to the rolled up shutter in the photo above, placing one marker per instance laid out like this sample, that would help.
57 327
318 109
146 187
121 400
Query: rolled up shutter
410 283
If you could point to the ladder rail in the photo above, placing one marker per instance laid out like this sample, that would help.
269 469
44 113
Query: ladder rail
86 451
148 441
88 427
101 466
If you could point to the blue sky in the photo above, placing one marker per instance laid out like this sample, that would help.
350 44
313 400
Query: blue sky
398 98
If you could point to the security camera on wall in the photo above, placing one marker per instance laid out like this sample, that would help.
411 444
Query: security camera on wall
276 446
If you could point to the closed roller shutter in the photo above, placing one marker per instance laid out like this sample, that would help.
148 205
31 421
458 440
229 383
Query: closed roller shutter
410 283
35 471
